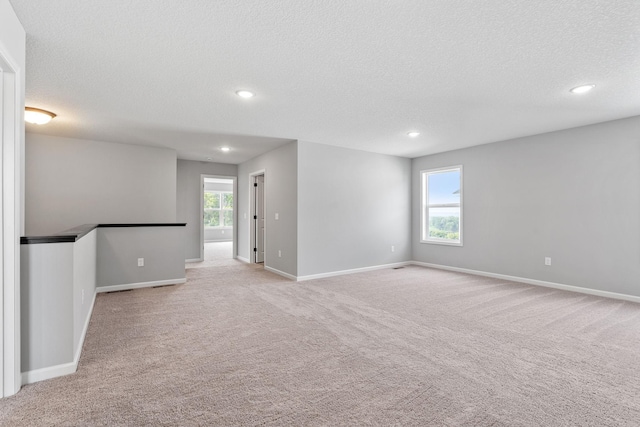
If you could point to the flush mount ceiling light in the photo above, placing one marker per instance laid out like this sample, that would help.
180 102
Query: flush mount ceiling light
37 116
245 94
582 89
413 134
225 149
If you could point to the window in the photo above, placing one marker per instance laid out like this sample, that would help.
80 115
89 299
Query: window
441 215
218 209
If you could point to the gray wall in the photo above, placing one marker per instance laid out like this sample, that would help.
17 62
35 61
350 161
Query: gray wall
570 195
224 234
353 206
70 182
118 250
281 192
188 198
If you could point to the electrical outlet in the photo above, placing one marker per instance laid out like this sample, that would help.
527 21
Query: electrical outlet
547 260
279 253
221 231
277 216
140 262
245 215
393 248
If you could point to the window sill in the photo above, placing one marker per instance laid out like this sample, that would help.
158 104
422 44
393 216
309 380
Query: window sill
441 242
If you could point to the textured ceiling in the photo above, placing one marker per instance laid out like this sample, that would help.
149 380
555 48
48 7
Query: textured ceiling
357 73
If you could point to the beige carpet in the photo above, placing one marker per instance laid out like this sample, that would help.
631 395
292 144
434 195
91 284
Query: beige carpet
215 254
240 346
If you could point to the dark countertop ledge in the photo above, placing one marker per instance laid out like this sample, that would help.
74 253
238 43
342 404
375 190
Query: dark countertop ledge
76 233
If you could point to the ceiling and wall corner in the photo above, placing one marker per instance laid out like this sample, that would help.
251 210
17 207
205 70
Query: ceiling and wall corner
358 75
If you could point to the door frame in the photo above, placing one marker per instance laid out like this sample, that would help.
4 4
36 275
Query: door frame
252 213
235 212
11 209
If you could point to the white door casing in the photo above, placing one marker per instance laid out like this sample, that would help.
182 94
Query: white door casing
11 131
251 220
259 223
235 212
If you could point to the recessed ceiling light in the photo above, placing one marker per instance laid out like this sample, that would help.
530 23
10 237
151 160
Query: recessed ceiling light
413 134
225 149
245 94
37 116
582 89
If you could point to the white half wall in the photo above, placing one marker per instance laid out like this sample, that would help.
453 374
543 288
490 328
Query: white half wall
70 182
58 291
47 305
570 195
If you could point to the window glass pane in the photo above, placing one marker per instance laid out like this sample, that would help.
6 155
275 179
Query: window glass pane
444 223
227 200
444 187
212 200
228 218
212 218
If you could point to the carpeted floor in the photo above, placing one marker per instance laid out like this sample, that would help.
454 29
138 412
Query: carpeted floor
236 345
216 254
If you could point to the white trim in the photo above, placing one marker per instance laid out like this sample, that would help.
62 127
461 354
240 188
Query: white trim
193 260
243 259
424 197
251 228
560 286
11 218
49 372
234 183
76 358
352 271
281 273
128 286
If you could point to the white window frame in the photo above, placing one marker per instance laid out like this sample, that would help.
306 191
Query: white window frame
424 206
220 211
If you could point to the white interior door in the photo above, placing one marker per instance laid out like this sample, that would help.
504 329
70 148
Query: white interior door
259 218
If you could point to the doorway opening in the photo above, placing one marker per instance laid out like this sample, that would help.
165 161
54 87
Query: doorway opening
258 224
218 229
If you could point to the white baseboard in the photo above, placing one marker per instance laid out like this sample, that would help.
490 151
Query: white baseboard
127 286
560 286
352 271
243 259
76 358
280 273
47 373
193 260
